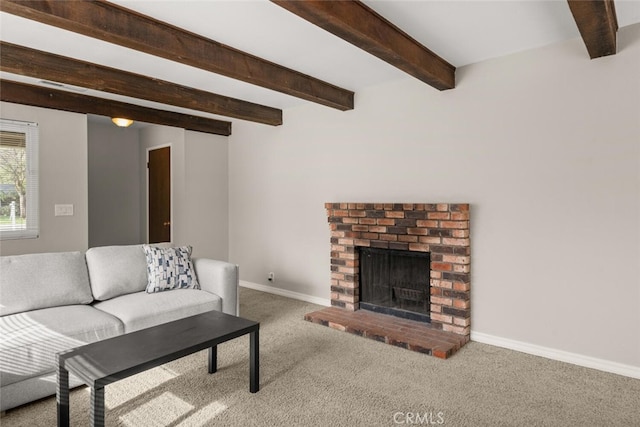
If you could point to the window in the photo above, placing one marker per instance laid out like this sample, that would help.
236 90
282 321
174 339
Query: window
18 180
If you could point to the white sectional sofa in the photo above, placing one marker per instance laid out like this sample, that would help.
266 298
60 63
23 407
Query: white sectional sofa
55 301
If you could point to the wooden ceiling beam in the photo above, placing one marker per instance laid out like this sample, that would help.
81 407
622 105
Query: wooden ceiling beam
598 24
34 63
37 96
115 24
361 26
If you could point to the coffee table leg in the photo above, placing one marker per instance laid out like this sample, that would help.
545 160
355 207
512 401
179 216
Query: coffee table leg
213 359
254 361
62 396
97 406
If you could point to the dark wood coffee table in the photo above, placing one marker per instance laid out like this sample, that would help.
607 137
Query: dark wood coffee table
107 361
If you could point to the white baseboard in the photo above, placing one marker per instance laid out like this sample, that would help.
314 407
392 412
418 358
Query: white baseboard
536 350
559 355
285 293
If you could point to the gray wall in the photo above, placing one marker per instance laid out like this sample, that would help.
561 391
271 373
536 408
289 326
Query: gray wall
200 206
114 185
544 145
63 180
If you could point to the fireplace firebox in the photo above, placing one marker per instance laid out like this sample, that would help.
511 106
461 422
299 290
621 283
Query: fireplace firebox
395 282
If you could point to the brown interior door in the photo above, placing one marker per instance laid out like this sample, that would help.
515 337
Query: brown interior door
159 195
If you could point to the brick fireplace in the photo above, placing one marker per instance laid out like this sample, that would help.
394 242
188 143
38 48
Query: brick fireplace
442 230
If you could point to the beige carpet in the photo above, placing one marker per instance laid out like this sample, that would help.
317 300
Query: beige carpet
316 376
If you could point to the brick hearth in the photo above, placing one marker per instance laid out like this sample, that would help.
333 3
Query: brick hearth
442 229
409 334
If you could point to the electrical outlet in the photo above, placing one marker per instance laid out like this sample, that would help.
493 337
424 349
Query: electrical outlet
271 277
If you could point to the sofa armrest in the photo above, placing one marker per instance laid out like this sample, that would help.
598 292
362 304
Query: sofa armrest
220 278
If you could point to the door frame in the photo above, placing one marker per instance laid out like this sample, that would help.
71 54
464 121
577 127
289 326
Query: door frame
156 147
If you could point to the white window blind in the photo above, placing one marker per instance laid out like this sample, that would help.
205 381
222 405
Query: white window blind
19 211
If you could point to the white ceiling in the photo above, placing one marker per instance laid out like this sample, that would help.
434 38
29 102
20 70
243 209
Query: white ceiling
461 32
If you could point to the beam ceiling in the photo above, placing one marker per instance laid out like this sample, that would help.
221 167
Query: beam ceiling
34 63
598 24
358 24
112 23
21 93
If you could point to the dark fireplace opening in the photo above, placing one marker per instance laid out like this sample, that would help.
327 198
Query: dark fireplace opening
395 282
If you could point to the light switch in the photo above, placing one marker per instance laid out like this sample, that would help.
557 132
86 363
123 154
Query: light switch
63 210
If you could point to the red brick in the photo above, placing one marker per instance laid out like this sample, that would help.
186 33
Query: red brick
370 236
349 220
394 214
360 227
456 329
336 326
460 286
377 229
460 216
328 205
443 318
435 274
361 242
460 233
417 231
439 215
454 224
430 240
454 242
441 266
407 238
389 237
457 268
427 223
441 301
418 247
340 213
456 259
442 207
367 221
359 214
442 284
408 206
386 221
459 303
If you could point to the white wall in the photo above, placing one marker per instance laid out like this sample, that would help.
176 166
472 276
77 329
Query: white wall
114 185
63 179
545 145
199 171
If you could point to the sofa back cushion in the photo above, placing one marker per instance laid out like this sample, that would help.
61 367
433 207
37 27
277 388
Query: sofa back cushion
33 281
116 270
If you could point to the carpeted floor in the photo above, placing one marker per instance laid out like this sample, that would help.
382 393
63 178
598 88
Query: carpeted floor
316 376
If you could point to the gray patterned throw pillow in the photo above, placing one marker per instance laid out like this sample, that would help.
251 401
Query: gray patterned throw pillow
169 268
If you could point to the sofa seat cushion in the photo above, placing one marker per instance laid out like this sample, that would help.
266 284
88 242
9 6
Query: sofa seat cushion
142 310
34 281
30 340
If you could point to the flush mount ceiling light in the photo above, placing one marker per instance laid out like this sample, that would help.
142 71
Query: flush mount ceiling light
123 123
